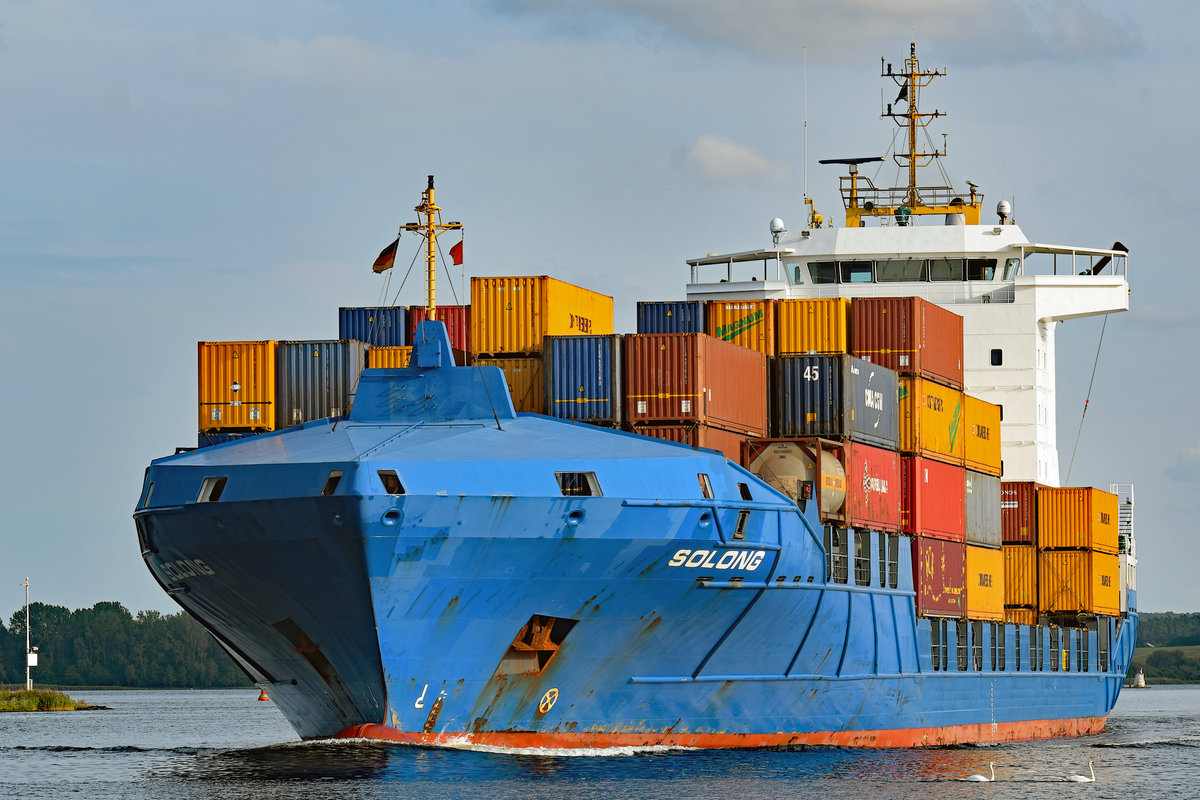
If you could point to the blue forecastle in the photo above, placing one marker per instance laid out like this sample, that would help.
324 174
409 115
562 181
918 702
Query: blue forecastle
437 567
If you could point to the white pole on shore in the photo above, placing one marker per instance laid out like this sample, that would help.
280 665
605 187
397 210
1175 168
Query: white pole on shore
28 674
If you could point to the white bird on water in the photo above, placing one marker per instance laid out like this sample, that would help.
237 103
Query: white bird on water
991 766
1084 778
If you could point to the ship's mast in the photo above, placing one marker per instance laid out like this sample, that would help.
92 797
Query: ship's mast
911 81
430 225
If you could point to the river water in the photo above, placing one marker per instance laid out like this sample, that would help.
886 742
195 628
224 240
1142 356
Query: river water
226 744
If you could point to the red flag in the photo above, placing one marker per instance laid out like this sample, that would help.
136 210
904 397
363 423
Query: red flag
456 253
387 257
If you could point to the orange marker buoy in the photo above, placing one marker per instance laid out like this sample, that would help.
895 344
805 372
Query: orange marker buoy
262 694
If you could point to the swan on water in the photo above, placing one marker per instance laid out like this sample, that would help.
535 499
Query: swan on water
1084 778
991 766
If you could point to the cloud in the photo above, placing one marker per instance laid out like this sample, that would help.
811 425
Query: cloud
987 31
719 158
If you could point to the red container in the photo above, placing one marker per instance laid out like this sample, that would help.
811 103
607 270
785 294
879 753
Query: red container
727 442
933 499
457 319
940 575
695 378
1018 511
873 488
909 335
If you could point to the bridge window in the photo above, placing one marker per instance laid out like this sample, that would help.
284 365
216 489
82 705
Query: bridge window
997 357
1010 268
823 271
901 269
945 269
981 269
855 271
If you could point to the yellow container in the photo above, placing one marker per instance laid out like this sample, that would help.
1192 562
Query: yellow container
1078 582
812 326
511 315
931 420
1077 518
982 428
1020 575
1021 616
985 583
248 366
523 374
750 323
388 357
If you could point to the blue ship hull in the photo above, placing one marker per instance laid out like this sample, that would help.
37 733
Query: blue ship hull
478 575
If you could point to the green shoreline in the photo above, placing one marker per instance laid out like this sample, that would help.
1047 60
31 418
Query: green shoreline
42 700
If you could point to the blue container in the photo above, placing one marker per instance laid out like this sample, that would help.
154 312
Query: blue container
385 326
316 379
583 378
836 397
671 316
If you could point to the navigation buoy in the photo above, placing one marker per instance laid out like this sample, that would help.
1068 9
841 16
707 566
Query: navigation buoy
262 694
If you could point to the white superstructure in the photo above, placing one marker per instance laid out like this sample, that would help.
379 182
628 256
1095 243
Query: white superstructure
928 241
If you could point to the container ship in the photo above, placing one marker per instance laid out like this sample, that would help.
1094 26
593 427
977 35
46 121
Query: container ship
813 501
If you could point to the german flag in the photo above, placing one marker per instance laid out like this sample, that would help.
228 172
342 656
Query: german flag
387 257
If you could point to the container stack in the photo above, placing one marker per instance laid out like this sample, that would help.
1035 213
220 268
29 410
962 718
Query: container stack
696 389
510 317
236 387
1078 565
1018 525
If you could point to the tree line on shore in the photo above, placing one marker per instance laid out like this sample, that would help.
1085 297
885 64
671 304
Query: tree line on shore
105 645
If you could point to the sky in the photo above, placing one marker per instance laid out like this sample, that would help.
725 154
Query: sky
171 173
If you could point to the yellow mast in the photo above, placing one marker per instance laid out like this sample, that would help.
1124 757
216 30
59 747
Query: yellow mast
911 81
431 228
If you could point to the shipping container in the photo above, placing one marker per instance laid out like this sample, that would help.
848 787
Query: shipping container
727 442
910 335
1077 518
511 315
378 326
523 374
932 500
982 448
236 385
1078 582
674 316
1021 616
985 583
388 357
1020 575
873 487
583 378
939 574
817 326
982 495
931 420
834 396
457 320
749 323
673 378
1018 511
317 379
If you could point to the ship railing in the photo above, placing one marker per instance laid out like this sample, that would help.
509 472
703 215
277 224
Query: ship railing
868 197
940 292
750 265
1049 259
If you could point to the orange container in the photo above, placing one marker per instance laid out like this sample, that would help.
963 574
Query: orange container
1021 616
1077 518
931 420
1078 582
982 440
728 442
248 366
812 326
388 357
686 378
985 583
523 374
511 315
1020 575
750 323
